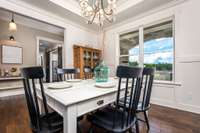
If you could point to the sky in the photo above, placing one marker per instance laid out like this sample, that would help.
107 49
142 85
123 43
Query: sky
156 51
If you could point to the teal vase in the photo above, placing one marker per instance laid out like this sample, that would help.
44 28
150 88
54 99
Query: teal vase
101 72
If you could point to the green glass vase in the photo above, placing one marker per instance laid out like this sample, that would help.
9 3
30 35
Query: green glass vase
101 72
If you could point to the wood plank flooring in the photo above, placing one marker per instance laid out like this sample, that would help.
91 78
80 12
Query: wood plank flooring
14 119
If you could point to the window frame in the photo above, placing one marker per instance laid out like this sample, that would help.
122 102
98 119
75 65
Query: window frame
140 29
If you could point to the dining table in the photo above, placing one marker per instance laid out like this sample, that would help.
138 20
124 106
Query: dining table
79 99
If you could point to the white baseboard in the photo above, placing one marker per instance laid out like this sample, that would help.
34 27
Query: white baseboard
8 93
175 105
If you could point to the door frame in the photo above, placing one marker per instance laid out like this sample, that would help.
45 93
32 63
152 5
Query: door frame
38 38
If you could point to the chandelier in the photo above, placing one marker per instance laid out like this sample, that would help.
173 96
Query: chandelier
98 11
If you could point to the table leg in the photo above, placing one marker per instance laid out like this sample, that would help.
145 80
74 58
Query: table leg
41 107
70 119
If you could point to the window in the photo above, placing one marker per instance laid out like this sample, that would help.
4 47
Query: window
157 49
129 48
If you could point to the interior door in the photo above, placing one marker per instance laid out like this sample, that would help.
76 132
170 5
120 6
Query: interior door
47 67
60 58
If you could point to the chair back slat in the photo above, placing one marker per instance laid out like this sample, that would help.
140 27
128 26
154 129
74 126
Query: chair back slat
30 104
43 96
35 98
130 103
60 74
127 73
33 74
148 77
71 73
88 72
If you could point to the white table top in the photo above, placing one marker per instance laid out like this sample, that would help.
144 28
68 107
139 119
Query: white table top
81 91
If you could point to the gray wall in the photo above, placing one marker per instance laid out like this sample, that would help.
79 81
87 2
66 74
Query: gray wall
26 38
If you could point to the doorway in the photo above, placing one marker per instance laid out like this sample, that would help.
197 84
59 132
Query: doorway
50 57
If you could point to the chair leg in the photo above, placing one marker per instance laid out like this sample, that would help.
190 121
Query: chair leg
90 130
146 120
137 126
79 128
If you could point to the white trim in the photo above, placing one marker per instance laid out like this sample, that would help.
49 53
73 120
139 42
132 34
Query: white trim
57 42
141 45
13 92
117 49
174 105
74 7
50 40
188 59
38 38
124 5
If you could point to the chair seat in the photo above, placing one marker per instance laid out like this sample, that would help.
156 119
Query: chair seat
104 118
54 120
51 123
139 107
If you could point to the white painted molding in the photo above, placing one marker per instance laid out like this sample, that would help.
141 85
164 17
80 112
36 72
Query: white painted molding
174 105
74 7
123 5
188 59
13 92
38 38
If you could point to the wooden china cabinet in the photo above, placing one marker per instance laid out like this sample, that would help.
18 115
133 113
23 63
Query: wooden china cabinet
85 57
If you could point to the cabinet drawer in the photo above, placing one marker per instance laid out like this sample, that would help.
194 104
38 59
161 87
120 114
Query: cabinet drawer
96 103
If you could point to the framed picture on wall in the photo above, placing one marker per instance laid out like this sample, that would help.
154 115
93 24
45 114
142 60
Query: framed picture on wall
11 54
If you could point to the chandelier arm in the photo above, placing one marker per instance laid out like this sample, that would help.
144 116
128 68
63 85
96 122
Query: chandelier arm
108 19
92 20
104 9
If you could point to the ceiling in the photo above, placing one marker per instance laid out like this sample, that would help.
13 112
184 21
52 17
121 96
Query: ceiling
70 9
32 23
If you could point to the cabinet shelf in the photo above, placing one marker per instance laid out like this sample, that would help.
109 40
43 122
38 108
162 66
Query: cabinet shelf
85 56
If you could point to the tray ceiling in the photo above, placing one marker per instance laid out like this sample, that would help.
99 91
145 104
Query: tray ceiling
70 9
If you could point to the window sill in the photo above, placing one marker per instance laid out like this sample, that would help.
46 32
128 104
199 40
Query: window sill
171 83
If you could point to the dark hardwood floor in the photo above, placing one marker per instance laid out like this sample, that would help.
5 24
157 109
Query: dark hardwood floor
14 119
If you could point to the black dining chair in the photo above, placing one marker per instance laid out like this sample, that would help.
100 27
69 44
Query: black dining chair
60 74
144 103
71 73
40 122
113 118
88 72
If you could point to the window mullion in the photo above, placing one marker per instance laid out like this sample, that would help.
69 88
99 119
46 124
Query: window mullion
141 45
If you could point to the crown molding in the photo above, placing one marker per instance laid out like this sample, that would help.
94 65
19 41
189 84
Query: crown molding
74 7
123 5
